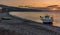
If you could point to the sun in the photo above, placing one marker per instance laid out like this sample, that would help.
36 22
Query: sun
54 9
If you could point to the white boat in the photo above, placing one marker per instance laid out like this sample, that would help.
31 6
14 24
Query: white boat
47 19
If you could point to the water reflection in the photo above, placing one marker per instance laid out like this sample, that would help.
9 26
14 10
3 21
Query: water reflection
35 16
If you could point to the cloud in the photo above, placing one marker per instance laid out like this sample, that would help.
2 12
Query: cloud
29 2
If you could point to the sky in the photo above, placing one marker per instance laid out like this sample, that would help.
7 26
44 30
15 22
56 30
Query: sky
33 3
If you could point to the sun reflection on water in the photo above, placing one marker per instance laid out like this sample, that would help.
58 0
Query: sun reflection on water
35 16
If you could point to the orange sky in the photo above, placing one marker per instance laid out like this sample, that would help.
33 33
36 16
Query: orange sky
34 3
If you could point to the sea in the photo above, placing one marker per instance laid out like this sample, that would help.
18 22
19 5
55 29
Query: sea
35 16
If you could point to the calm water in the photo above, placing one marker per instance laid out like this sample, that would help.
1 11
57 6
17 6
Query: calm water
35 16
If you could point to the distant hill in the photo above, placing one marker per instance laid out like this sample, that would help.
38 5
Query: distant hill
11 8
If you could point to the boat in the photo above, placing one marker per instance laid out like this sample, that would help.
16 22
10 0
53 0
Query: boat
47 20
